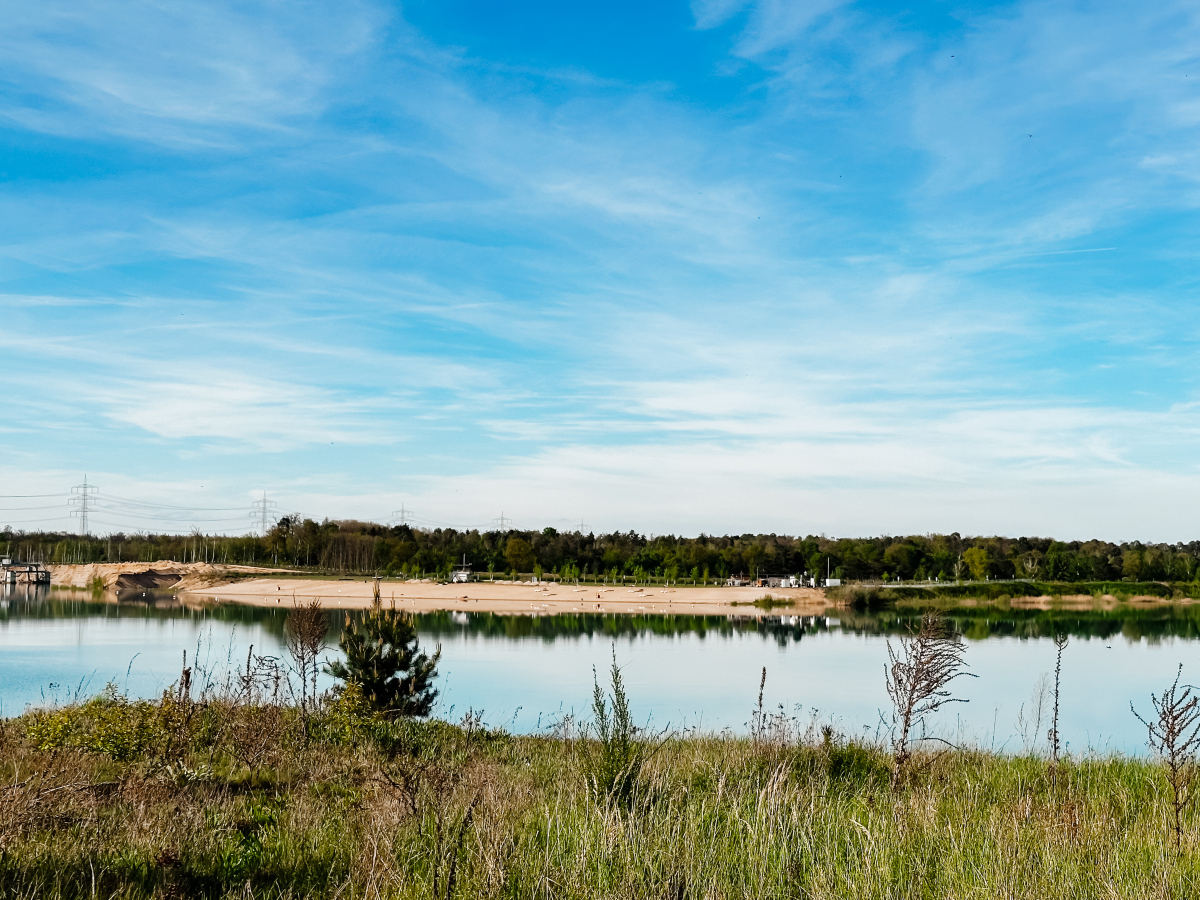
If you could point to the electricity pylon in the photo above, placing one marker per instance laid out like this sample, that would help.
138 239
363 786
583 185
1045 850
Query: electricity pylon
83 504
262 512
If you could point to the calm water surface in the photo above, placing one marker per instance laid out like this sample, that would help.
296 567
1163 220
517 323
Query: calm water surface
526 672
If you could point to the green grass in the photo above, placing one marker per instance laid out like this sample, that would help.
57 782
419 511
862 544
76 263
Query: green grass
121 799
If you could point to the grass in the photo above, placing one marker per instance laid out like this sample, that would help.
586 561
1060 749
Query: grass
217 798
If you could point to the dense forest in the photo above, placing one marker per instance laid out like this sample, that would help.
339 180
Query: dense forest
365 547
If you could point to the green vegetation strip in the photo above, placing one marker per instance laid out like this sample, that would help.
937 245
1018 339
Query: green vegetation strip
351 547
222 798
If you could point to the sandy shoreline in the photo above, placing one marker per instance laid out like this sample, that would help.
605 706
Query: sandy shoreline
484 596
238 584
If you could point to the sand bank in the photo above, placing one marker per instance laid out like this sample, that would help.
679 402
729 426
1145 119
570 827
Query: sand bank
484 596
161 575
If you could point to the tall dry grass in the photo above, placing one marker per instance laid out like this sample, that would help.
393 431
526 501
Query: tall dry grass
115 798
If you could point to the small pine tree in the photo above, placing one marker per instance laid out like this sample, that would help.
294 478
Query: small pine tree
383 658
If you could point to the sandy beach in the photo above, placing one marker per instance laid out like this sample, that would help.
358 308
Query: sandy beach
271 587
484 596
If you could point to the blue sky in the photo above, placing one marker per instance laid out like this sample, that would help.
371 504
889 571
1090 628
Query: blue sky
729 266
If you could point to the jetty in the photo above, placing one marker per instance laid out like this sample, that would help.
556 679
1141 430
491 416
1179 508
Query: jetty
15 572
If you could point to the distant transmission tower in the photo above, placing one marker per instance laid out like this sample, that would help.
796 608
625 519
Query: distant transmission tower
83 504
582 527
400 516
502 523
262 512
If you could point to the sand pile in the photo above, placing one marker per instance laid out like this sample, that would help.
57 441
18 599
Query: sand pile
161 575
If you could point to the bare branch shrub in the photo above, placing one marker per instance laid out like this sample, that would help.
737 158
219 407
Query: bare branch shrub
1030 724
916 682
262 681
256 733
305 633
254 718
1174 734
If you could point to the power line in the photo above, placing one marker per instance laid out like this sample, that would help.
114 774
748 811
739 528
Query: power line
81 503
35 521
401 517
178 517
503 522
125 501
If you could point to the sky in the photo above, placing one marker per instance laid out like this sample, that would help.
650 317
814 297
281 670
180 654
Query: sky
720 267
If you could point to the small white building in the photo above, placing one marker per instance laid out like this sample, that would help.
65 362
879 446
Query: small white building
461 574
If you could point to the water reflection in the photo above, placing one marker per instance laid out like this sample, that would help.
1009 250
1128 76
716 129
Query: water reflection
701 671
975 624
1131 622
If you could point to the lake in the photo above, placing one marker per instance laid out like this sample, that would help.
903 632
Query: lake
526 672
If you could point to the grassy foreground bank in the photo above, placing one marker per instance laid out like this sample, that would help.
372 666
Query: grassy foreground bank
115 798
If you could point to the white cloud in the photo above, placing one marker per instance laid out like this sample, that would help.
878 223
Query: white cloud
774 24
711 13
1064 472
175 73
658 316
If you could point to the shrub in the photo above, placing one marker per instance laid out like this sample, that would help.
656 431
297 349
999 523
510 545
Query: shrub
863 599
348 718
614 761
109 724
383 658
1174 734
848 765
917 677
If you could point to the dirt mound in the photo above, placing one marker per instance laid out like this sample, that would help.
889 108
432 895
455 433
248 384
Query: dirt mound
161 575
145 581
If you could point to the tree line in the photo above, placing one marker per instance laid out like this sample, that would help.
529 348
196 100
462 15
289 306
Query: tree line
353 547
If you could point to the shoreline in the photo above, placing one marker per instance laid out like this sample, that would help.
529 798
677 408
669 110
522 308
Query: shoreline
260 586
508 597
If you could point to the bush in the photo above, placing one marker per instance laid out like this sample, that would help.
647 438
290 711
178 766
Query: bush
383 658
109 724
862 599
614 760
349 717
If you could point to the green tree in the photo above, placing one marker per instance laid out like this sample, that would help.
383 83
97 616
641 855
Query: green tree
753 555
383 658
977 561
519 554
1131 564
903 559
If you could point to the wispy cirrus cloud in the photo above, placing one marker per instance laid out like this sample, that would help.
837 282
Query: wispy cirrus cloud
181 73
331 251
